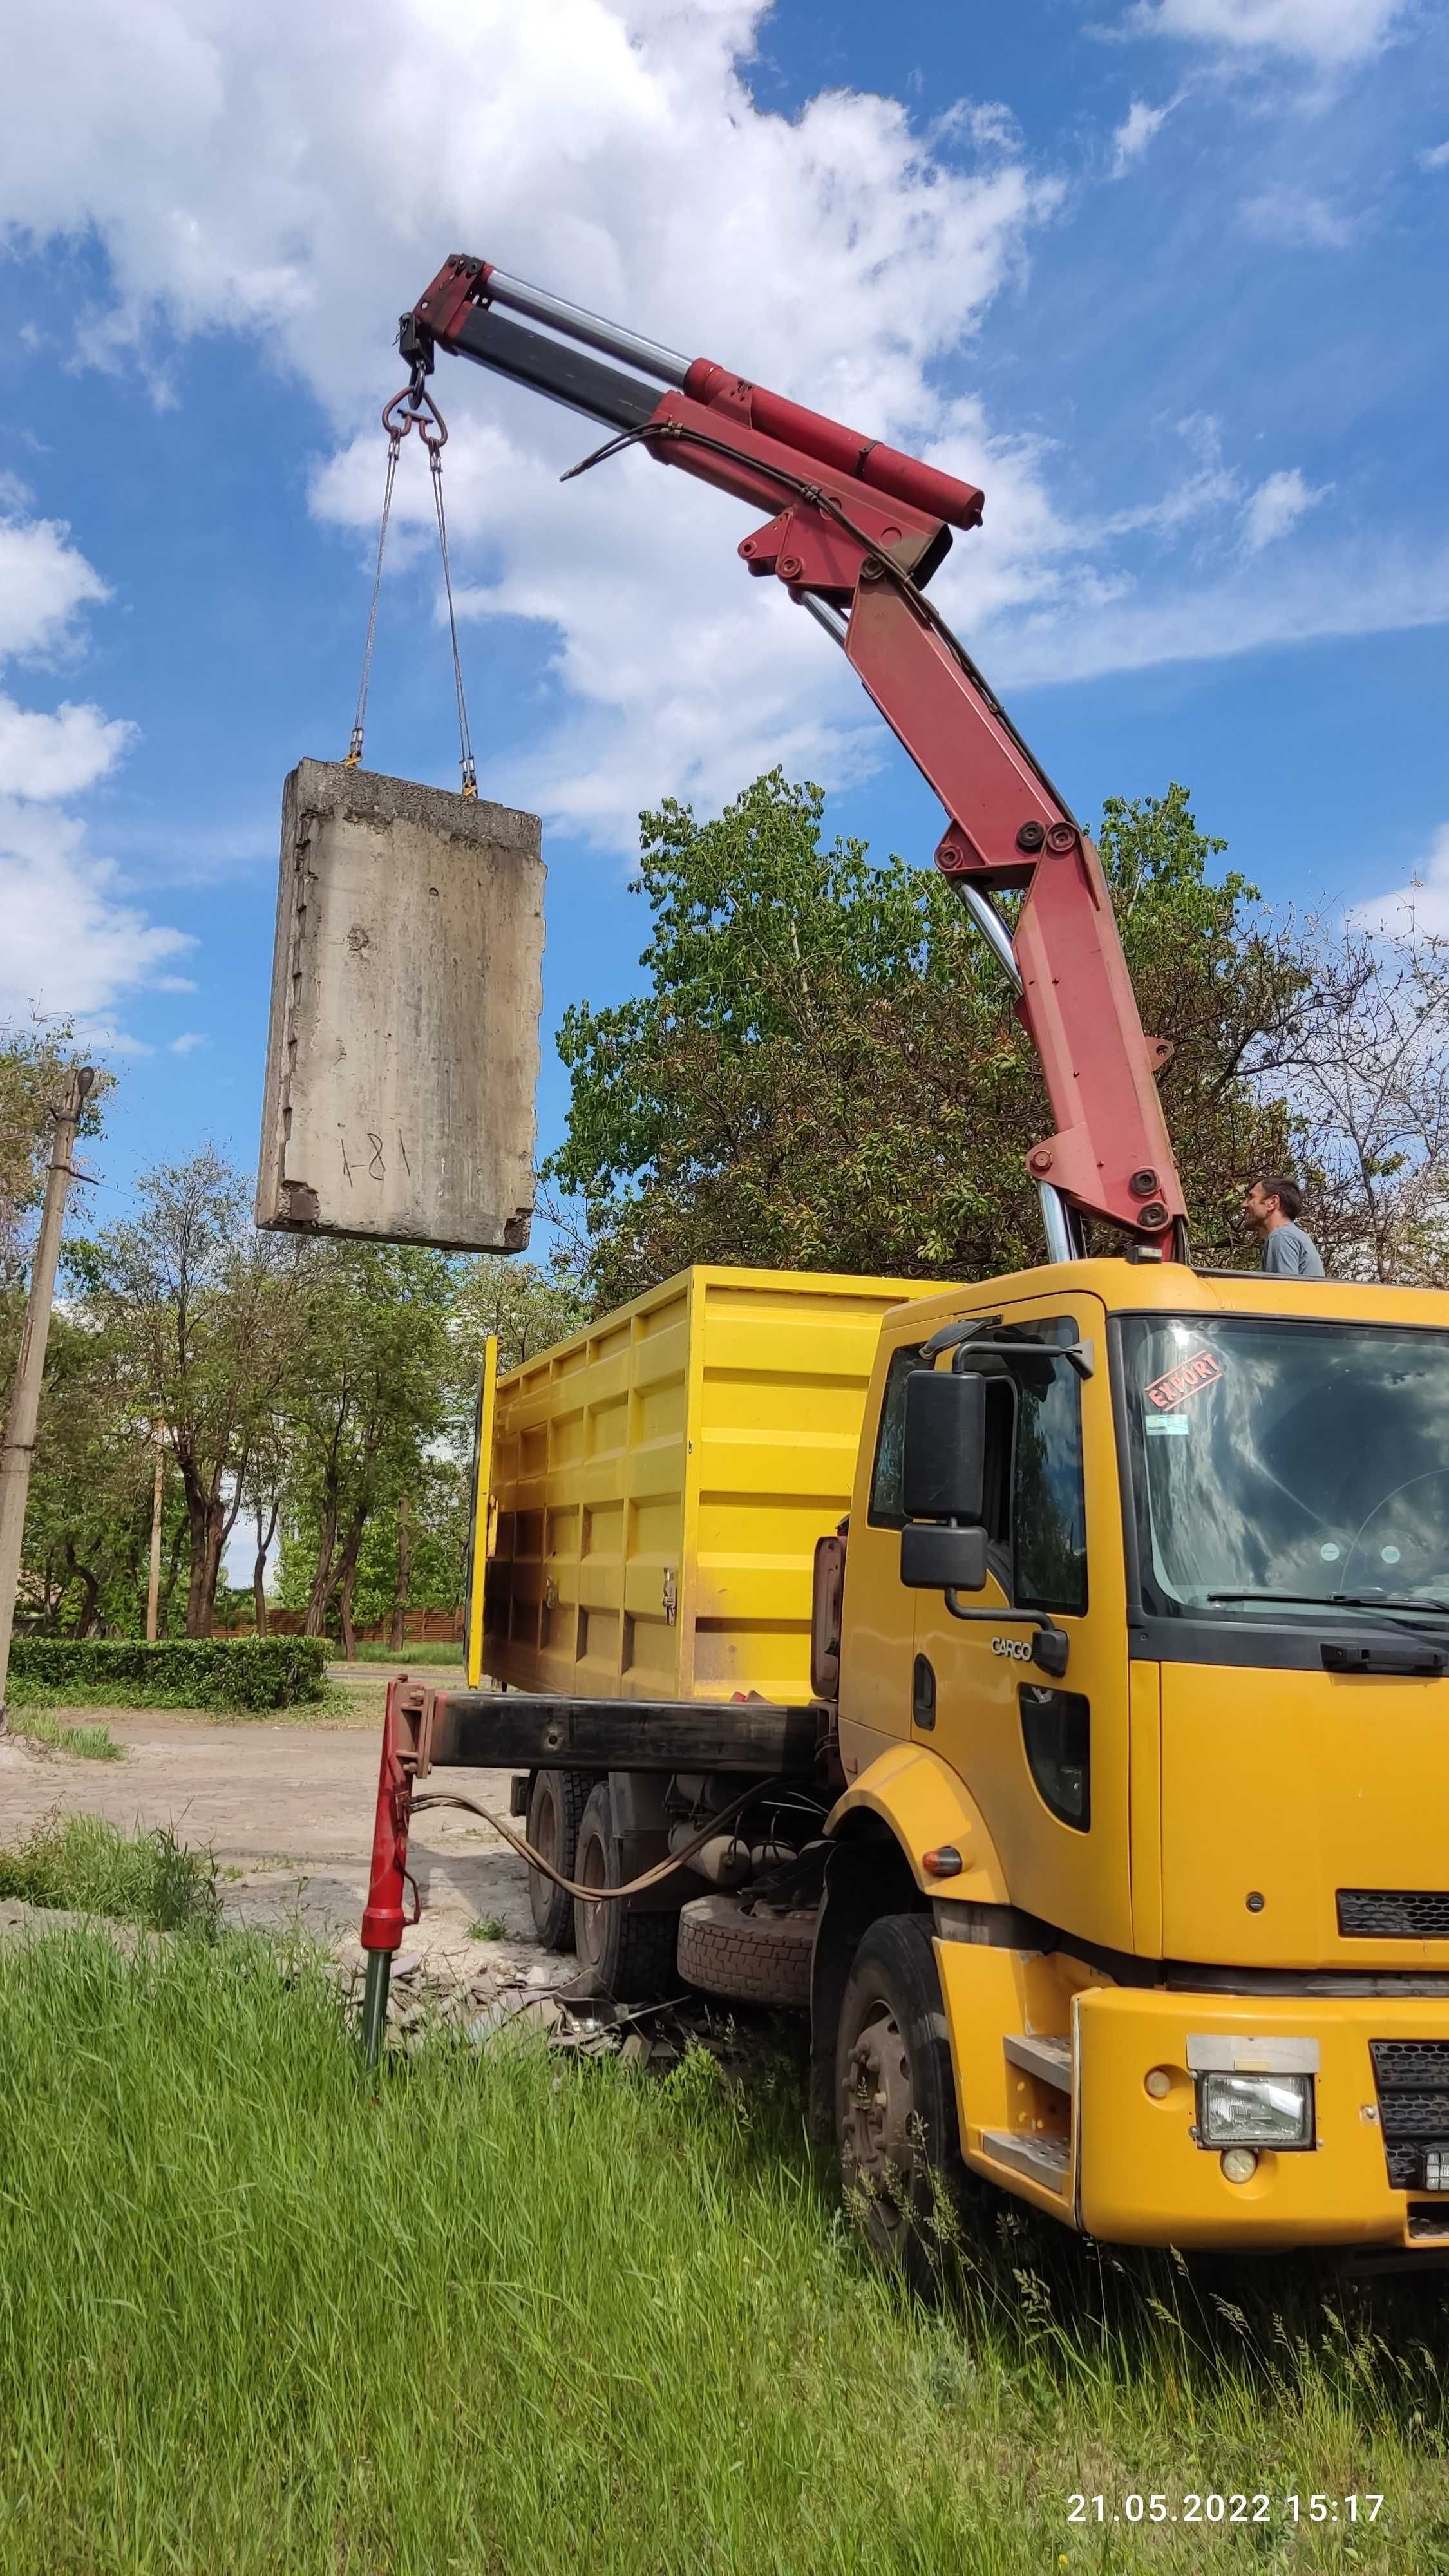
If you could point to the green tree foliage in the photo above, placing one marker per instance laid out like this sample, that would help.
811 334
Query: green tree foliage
528 1308
34 1064
826 1071
88 1522
209 1313
366 1406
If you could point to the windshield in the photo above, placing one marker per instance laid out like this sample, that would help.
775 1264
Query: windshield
1289 1466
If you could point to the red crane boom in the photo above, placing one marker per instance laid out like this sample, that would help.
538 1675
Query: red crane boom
855 529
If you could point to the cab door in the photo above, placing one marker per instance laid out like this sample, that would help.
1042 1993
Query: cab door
878 1614
1045 1758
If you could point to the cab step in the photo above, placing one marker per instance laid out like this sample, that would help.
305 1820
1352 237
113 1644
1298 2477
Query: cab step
1043 2159
1048 2059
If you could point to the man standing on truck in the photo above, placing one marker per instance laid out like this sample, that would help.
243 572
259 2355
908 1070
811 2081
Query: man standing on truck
1270 1211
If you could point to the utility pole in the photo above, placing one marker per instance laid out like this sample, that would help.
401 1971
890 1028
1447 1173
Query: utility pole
153 1588
24 1414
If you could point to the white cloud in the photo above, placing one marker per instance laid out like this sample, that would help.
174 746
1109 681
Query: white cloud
1436 158
46 757
1296 219
1422 904
44 581
1076 630
73 944
188 1042
256 165
251 165
1327 33
1136 131
1277 505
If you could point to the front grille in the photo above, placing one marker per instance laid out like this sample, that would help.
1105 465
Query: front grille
1411 2077
1393 1913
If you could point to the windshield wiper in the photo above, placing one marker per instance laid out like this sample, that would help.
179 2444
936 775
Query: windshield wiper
1387 1605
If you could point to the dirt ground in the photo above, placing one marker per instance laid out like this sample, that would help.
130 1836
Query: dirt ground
287 1809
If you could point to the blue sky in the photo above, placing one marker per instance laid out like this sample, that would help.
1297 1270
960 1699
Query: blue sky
1166 278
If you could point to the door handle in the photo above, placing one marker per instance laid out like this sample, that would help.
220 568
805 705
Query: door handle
923 1694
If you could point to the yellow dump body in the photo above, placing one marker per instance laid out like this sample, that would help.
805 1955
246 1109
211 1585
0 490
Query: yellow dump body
661 1479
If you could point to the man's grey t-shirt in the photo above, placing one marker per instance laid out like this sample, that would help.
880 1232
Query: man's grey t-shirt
1289 1253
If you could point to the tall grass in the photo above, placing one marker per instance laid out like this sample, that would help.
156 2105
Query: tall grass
91 1743
506 2314
85 1865
432 1650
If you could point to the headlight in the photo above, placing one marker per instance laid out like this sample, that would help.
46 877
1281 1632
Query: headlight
1255 2110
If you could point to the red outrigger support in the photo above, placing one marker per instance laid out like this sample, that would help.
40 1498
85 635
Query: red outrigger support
384 1919
854 530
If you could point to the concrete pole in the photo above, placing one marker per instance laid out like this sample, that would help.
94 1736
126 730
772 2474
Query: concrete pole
153 1587
24 1414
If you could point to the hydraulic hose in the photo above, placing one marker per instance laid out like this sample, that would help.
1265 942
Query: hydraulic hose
595 1895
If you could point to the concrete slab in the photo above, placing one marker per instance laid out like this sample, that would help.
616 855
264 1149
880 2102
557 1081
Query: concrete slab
402 1058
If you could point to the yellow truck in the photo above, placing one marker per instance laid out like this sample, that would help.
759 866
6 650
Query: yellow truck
1092 1768
1040 1680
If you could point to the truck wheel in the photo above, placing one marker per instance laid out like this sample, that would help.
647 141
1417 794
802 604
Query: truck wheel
556 1802
755 1954
631 1954
895 2097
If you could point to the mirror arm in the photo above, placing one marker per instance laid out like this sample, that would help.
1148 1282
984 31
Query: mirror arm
962 1339
1052 1646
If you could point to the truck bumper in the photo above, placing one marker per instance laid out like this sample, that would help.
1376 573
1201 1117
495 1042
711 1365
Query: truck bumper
1142 2179
1124 2161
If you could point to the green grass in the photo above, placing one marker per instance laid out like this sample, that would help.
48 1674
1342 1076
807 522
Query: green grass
372 1652
85 1866
92 1743
489 1927
505 2314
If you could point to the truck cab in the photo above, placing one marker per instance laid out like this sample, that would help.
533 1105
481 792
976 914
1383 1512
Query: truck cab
1164 1778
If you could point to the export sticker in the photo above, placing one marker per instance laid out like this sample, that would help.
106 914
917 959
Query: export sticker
1189 1377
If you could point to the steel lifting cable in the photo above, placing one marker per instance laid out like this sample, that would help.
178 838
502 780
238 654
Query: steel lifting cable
414 408
355 754
465 740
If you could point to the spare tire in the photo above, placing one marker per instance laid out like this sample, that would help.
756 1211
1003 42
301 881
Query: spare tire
752 1952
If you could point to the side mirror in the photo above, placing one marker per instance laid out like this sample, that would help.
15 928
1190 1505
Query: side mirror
943 1465
934 1559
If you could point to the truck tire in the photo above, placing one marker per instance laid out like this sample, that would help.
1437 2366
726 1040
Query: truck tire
895 2099
631 1954
755 1954
556 1803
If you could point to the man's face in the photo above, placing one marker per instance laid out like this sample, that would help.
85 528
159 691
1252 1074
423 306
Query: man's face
1259 1209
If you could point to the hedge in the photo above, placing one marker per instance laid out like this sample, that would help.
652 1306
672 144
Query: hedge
177 1672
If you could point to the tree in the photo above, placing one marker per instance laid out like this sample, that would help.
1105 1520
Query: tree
209 1312
34 1064
528 1308
826 1070
1370 1084
416 1556
370 1398
88 1524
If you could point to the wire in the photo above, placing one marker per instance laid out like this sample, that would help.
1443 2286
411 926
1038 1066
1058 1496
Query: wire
355 754
465 743
415 408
